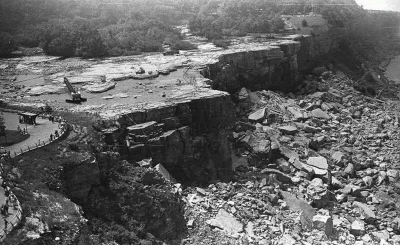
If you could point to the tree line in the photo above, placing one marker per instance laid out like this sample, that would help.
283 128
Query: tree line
90 28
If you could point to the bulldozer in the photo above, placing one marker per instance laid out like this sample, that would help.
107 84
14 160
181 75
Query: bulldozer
75 95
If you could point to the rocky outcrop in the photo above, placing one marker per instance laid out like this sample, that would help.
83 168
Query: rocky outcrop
45 89
274 66
80 176
268 67
99 87
314 46
190 139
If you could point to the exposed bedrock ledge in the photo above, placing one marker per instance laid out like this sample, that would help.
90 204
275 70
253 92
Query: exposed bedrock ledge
190 139
275 66
189 136
316 46
272 67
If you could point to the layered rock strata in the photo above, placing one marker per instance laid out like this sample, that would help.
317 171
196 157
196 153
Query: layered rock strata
189 138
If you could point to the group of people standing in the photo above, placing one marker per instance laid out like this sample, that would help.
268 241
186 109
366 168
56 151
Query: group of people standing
11 200
22 131
55 119
55 136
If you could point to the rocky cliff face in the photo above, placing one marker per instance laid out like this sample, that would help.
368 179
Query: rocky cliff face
80 176
272 67
190 139
314 46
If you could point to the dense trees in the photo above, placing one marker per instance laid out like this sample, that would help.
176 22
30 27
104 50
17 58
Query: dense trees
89 28
6 43
226 17
223 17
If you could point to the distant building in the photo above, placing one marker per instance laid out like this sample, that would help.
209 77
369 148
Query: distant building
315 23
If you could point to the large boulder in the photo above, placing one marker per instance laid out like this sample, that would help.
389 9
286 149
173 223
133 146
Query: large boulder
243 94
319 70
357 228
227 222
99 87
319 193
257 116
318 162
296 112
318 113
299 205
320 168
323 223
290 130
369 215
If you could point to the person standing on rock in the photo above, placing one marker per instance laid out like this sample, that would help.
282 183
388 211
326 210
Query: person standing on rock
5 225
4 210
7 191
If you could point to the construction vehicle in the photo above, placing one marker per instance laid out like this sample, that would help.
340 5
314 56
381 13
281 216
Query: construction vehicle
75 95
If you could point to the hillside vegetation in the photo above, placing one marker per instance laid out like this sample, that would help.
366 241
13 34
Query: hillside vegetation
90 28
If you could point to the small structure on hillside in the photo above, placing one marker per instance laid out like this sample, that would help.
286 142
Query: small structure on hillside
27 118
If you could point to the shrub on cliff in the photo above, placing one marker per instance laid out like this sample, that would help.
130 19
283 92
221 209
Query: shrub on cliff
176 43
7 44
129 209
183 45
278 24
221 43
79 38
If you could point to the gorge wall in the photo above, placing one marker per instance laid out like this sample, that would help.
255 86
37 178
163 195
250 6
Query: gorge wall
190 138
275 66
190 135
315 46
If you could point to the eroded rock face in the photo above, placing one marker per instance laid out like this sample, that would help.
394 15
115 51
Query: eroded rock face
189 139
314 46
79 178
274 67
140 205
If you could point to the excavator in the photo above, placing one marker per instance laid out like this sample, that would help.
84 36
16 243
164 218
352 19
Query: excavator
75 95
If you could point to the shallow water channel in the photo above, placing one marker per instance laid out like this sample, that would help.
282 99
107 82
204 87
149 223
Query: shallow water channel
393 70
